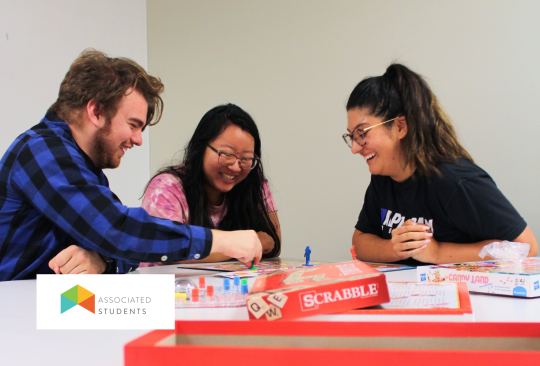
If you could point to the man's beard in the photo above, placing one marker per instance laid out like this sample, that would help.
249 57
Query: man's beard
104 153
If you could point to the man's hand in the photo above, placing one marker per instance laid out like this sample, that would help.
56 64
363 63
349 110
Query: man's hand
243 245
76 260
410 239
266 241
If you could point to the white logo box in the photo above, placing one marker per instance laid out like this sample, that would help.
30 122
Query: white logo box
491 277
121 302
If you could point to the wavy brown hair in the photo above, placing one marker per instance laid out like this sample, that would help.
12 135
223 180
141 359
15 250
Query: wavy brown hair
431 138
95 76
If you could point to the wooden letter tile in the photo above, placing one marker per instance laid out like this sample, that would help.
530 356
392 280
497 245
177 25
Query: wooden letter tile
278 299
273 313
257 306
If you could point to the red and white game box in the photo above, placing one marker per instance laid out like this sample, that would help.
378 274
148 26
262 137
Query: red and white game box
308 291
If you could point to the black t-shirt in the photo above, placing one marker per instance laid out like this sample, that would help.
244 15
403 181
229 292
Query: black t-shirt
464 205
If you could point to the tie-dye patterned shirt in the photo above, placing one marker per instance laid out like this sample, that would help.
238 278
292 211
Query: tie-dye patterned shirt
165 198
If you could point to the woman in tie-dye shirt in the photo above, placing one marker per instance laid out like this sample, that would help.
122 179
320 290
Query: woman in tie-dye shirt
220 183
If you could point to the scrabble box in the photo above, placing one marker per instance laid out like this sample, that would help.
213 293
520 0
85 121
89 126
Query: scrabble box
309 291
491 277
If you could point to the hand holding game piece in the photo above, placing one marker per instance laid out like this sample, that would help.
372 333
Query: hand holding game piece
243 245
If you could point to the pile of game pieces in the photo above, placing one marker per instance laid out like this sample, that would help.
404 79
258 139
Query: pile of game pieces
190 295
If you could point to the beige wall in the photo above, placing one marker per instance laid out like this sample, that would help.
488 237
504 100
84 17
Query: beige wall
38 42
292 65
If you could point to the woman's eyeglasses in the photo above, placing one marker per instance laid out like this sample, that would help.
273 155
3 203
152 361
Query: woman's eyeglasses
359 134
227 159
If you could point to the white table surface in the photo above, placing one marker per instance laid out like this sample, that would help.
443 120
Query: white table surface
22 344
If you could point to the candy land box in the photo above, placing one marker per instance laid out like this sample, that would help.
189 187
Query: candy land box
324 289
491 277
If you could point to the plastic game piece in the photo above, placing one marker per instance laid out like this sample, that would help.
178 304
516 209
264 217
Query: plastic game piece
195 295
210 293
236 284
226 285
210 296
202 286
180 298
244 291
307 255
353 253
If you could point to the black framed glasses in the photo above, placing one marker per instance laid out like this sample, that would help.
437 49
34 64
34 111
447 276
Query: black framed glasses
227 159
359 134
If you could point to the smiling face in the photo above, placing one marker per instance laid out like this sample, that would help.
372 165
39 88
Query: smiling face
382 150
221 179
120 132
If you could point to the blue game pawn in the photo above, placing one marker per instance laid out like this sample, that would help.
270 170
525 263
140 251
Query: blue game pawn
244 290
236 284
226 285
226 293
307 255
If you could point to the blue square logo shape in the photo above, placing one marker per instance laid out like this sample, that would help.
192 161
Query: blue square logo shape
536 285
422 277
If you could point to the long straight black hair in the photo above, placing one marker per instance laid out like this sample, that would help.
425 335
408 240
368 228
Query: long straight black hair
246 201
431 138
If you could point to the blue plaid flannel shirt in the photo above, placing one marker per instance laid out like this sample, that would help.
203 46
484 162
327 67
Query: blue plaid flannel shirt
53 196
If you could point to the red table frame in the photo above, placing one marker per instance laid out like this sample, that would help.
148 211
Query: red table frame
145 351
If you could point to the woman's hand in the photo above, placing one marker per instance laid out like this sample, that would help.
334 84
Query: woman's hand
266 241
76 260
430 253
411 239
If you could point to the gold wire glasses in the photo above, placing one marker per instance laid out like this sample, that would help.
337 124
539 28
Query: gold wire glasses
359 135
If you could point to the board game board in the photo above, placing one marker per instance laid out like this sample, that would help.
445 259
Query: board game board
283 265
388 267
263 267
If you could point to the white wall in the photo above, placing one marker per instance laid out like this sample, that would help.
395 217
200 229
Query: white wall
38 42
292 65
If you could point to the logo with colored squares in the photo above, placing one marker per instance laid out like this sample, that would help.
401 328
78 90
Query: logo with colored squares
77 295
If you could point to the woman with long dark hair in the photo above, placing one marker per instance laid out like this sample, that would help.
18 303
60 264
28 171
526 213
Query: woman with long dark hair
220 183
427 201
